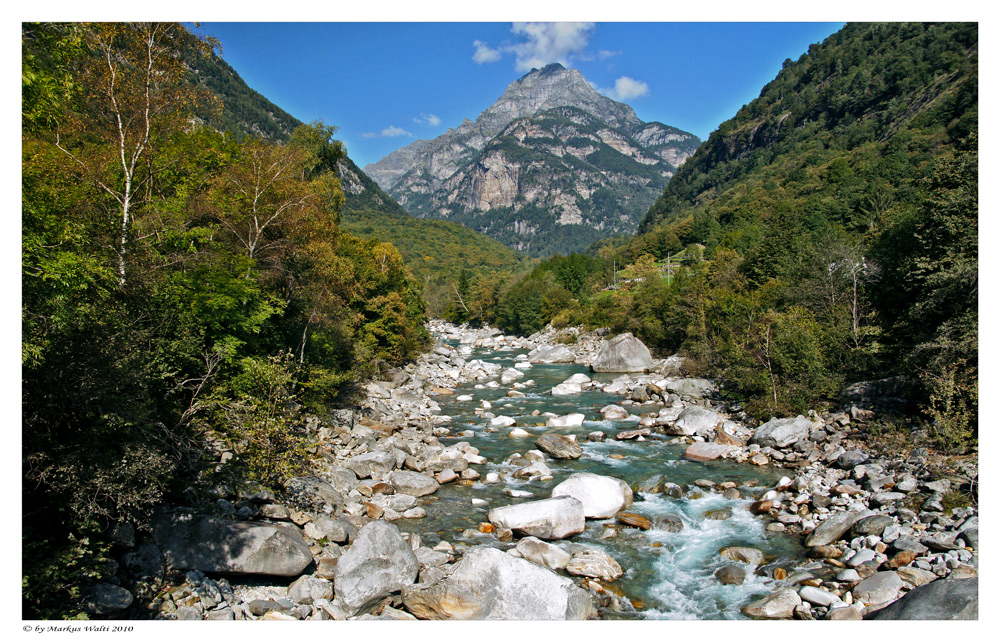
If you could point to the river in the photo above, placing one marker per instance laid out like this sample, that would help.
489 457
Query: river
668 575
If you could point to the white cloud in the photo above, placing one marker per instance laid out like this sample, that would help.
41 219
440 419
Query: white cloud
604 54
389 132
625 89
547 42
427 119
484 53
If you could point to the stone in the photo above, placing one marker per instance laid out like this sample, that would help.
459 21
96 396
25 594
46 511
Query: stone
210 544
780 605
564 389
554 518
145 562
878 588
559 446
817 596
945 599
851 458
624 353
593 562
411 483
779 433
844 613
314 490
601 496
834 527
731 575
105 599
669 523
694 388
613 412
542 553
720 514
553 354
376 464
378 563
308 588
635 521
871 525
706 451
491 585
625 435
323 527
696 420
572 420
745 554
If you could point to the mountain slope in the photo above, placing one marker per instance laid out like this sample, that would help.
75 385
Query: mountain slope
550 167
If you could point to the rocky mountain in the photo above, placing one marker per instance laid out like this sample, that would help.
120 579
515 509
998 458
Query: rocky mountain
550 167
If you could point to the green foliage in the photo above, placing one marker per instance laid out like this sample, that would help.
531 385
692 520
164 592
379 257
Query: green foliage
243 300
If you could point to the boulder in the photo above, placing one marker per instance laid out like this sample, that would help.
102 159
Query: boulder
871 525
779 433
490 585
215 545
552 354
411 483
624 353
313 490
945 599
376 464
695 420
830 530
566 389
706 451
745 554
104 599
542 553
307 588
601 496
613 412
554 518
593 562
378 563
878 588
559 446
730 574
779 605
566 421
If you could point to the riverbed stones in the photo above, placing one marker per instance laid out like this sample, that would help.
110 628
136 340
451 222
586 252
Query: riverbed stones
596 563
210 544
601 497
554 518
613 412
878 588
559 446
491 585
634 520
779 605
834 527
376 464
779 433
669 523
871 525
307 588
564 389
624 353
378 563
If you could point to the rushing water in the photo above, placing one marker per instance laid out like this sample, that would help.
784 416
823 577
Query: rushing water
667 574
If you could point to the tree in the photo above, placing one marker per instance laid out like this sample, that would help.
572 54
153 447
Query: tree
134 93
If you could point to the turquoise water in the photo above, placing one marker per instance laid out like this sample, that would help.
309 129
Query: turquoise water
668 575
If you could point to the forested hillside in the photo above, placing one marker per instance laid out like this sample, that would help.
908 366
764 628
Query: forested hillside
182 289
826 234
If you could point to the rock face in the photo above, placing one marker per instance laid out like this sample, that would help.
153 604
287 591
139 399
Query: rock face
779 433
216 545
549 124
624 353
490 585
947 599
554 518
378 563
601 496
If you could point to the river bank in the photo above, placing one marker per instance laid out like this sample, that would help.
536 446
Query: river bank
404 517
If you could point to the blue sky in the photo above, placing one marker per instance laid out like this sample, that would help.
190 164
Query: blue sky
387 84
